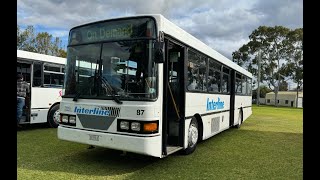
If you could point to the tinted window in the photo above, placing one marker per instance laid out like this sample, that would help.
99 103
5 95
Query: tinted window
214 76
196 72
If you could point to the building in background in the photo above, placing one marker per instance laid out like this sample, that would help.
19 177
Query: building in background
285 98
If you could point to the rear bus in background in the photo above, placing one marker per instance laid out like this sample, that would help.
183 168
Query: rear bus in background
142 84
45 76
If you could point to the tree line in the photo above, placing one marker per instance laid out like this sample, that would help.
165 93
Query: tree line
42 42
279 50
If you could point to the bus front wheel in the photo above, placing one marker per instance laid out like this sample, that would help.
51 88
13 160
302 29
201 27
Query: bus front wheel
193 136
53 116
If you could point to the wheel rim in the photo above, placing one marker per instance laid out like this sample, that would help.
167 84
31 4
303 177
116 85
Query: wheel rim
56 116
193 135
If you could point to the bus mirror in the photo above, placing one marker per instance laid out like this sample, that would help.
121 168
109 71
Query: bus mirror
158 53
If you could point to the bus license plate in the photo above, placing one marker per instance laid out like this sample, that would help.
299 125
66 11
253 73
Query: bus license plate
93 137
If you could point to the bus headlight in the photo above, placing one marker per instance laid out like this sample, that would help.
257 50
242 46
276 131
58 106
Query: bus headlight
135 126
72 120
67 119
64 118
124 125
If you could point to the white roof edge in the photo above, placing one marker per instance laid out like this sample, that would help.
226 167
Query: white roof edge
40 57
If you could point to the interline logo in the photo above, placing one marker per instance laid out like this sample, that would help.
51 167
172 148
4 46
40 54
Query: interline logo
213 105
92 111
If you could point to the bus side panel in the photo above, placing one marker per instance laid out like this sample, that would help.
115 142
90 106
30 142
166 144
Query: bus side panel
38 116
214 110
44 97
245 102
215 123
247 108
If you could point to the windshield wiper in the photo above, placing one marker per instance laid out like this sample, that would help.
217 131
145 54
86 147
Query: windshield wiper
110 89
76 97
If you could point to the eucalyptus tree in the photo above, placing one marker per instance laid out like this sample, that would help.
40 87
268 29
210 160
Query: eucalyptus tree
270 43
26 39
42 42
294 67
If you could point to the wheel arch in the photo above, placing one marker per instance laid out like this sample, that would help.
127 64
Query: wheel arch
54 104
49 112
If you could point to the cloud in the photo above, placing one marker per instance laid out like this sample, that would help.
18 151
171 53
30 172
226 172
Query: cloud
288 13
223 25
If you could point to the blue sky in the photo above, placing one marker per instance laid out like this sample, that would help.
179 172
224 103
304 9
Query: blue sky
225 25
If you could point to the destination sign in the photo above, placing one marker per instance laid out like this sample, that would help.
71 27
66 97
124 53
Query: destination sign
113 30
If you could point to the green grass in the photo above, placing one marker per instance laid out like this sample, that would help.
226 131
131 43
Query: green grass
267 146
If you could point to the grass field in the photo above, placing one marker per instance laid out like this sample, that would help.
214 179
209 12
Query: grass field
269 145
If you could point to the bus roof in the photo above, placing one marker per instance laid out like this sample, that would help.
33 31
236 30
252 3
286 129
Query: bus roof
40 57
175 31
170 28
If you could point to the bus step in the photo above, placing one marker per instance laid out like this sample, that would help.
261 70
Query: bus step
173 149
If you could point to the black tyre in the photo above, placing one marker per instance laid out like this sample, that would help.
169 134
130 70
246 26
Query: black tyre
240 119
193 136
54 116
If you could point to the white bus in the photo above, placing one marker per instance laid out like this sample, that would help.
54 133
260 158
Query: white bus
45 75
141 84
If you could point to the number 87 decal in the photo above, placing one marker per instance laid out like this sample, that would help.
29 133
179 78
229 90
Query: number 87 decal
140 112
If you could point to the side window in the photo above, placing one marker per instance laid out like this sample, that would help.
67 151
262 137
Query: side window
238 84
214 76
196 72
37 74
192 71
202 83
53 75
249 88
24 69
225 85
244 85
52 79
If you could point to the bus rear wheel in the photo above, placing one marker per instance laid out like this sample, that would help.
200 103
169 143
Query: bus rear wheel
193 136
54 116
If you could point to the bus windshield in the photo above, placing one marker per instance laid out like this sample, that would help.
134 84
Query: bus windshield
121 70
112 60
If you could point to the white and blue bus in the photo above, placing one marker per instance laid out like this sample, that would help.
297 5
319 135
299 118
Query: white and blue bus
141 84
45 76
